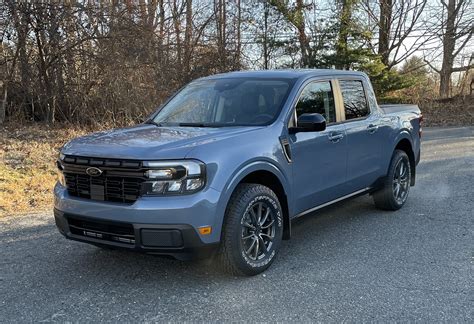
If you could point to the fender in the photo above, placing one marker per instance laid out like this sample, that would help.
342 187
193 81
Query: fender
405 134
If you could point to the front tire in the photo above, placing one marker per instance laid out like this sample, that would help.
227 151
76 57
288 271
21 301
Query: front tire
252 232
394 193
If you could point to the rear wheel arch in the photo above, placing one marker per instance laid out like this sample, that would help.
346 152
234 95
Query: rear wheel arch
404 144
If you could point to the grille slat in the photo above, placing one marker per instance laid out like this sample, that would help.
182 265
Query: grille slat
120 181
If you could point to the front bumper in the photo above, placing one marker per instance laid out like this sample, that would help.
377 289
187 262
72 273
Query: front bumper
155 225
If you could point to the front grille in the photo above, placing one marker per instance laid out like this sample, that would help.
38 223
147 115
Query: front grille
107 231
120 181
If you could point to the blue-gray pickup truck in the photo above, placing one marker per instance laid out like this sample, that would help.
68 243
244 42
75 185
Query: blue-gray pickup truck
223 167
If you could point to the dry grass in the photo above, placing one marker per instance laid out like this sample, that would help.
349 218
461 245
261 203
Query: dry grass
27 165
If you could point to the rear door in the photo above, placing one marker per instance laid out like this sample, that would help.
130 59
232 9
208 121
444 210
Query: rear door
362 124
318 158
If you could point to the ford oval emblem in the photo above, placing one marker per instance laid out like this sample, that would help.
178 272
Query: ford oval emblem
94 172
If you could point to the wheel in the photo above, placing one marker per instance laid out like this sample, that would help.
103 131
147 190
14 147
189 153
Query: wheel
394 193
252 231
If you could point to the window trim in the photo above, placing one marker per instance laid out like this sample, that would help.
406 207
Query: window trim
363 81
336 94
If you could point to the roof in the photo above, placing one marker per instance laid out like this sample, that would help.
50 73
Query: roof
284 74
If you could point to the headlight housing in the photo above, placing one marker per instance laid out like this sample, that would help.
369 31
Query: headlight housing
60 171
174 177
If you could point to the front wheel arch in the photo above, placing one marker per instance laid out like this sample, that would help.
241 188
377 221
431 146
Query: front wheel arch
258 172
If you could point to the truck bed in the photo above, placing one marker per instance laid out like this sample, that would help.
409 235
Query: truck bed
392 108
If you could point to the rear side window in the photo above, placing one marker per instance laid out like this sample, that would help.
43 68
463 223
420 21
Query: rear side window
317 97
355 102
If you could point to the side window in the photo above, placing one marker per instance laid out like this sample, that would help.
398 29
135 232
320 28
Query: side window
355 102
317 97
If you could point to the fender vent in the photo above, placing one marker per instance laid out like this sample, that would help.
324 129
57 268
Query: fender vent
285 145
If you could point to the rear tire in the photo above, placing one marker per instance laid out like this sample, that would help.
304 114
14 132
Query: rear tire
396 186
252 231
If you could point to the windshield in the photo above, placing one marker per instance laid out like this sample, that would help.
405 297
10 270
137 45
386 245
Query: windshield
226 102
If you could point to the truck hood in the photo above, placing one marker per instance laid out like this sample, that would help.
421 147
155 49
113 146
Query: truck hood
148 142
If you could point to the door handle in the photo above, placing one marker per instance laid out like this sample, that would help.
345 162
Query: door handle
372 128
334 137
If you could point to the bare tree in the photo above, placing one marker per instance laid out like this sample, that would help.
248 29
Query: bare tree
396 22
456 26
295 16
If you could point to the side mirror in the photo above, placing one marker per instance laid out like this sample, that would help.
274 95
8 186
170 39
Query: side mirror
310 123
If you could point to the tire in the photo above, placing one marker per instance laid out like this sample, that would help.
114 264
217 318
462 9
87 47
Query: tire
396 186
252 231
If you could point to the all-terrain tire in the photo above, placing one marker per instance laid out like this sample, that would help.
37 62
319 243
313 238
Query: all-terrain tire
247 202
398 176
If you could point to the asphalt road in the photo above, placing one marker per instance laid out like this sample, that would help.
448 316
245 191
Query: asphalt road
349 262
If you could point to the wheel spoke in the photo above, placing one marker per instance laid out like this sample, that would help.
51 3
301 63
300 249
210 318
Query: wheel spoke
397 190
270 237
251 246
265 217
248 236
257 248
268 225
249 225
264 247
253 216
259 212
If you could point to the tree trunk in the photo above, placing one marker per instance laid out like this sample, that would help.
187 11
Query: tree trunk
177 29
221 20
3 107
341 46
265 37
303 38
239 42
449 42
385 22
188 33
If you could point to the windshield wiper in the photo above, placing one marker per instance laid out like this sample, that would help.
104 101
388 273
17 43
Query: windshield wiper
152 122
197 125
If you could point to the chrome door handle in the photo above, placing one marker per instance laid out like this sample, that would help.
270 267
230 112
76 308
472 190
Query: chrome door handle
335 137
372 128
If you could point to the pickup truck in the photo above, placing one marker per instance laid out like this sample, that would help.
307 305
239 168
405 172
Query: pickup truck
223 167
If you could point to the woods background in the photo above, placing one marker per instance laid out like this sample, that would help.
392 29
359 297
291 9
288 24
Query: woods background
113 62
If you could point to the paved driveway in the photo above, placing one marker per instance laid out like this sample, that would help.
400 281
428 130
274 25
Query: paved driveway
348 262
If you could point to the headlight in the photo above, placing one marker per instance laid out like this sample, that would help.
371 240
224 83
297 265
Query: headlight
174 177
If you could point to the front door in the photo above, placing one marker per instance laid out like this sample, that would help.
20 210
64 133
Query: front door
318 158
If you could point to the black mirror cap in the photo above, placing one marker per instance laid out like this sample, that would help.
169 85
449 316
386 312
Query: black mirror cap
310 123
